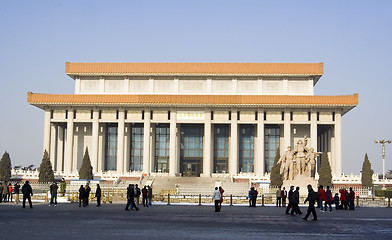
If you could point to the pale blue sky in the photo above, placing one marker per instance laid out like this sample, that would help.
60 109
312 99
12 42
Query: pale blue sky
351 38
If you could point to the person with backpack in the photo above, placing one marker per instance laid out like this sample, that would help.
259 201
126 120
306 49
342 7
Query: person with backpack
328 200
216 196
311 199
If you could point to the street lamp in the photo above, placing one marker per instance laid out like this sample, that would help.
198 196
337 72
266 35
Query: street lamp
383 160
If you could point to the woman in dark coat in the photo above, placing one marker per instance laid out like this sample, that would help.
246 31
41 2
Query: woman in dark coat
82 196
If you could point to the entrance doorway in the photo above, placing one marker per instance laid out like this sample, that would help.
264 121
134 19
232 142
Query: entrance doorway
191 156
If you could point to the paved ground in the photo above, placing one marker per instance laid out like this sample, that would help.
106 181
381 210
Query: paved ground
68 221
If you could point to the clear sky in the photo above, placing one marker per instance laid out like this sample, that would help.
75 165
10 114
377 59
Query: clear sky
352 39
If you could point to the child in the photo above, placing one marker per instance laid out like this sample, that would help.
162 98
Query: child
336 201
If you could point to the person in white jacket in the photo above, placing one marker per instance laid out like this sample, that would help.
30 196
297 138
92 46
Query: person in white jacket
216 196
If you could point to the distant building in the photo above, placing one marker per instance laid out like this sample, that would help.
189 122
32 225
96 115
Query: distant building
189 119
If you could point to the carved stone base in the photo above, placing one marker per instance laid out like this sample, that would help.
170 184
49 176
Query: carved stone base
302 182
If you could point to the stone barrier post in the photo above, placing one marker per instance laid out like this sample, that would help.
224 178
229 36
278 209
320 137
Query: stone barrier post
199 199
168 199
262 200
389 202
357 205
231 199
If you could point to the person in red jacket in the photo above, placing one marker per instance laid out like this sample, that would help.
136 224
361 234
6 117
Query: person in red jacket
343 198
328 200
221 200
321 194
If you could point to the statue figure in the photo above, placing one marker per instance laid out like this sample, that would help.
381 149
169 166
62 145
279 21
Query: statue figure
287 162
300 152
311 161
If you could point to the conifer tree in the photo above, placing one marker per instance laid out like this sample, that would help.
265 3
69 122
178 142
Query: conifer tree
46 173
86 170
275 177
367 173
325 176
5 167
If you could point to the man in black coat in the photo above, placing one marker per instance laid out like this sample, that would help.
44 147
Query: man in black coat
290 205
88 190
98 195
253 196
131 198
27 192
311 199
295 202
82 196
53 194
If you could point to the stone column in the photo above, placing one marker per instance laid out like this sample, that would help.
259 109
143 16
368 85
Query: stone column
338 144
287 130
47 131
60 149
53 145
313 131
259 148
173 137
68 161
146 145
207 145
233 161
120 141
95 140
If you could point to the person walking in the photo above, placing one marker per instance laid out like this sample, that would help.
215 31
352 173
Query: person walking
253 196
343 198
10 192
144 196
16 192
53 194
131 198
336 201
27 192
216 197
290 205
5 192
283 195
149 189
221 200
63 187
137 195
351 199
98 195
88 190
295 208
278 198
311 199
328 200
321 194
82 196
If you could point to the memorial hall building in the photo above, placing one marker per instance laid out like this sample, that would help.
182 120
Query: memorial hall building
189 119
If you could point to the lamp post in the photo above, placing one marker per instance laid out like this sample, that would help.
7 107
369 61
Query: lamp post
383 159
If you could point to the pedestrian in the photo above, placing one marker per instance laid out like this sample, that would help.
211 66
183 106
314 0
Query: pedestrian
278 198
336 201
343 198
131 198
137 195
253 196
27 192
98 195
216 197
53 194
1 192
328 200
5 192
290 205
16 192
144 196
149 189
311 199
10 190
351 199
63 187
221 200
283 195
82 196
317 197
321 194
88 190
295 208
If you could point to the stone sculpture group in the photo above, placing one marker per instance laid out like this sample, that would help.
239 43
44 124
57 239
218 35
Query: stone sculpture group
300 161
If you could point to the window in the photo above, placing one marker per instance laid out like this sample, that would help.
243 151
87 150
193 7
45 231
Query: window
162 148
137 147
272 140
111 146
246 148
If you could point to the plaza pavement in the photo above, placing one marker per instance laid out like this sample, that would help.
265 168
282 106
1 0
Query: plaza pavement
186 222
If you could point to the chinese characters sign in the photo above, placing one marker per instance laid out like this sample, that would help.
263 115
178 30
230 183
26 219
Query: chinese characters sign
190 115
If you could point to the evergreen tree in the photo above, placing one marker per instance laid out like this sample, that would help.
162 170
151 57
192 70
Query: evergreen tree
367 173
86 170
46 173
325 176
5 167
275 177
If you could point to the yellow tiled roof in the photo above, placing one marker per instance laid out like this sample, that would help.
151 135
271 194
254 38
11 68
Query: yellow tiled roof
203 100
195 68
